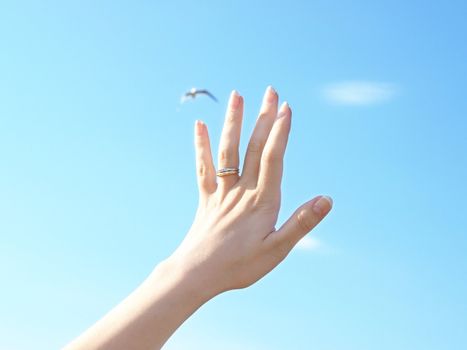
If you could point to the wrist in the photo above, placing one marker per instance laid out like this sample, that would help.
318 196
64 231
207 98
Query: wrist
186 281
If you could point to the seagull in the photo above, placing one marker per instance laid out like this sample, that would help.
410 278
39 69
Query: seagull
193 92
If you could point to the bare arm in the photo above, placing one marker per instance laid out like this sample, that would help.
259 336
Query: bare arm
232 242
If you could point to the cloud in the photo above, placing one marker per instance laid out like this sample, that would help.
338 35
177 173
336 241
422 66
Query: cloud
309 243
359 93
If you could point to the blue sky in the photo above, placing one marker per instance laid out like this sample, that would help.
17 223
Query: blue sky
96 165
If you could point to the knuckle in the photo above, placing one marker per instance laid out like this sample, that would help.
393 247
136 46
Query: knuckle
305 221
272 157
251 200
236 194
263 114
202 170
266 112
265 202
231 117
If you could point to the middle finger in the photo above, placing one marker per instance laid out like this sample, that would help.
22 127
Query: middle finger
260 135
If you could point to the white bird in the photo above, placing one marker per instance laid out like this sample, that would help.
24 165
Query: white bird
194 92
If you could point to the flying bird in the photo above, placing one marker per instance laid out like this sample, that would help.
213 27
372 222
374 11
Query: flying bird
194 92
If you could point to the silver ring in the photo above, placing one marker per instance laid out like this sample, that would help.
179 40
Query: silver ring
227 171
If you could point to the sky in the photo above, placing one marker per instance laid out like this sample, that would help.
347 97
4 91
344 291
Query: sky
97 180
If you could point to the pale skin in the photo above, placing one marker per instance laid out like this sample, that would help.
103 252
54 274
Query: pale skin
233 241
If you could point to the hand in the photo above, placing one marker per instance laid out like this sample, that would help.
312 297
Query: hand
233 241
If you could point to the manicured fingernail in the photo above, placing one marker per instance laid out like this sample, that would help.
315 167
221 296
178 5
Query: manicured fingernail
234 99
283 110
323 205
270 95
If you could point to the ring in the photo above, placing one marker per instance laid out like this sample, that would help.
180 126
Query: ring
227 171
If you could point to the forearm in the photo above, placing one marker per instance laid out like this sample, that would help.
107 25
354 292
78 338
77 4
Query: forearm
148 316
233 241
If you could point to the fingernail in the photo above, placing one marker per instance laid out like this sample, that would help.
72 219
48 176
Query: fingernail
234 99
199 126
283 110
323 205
270 95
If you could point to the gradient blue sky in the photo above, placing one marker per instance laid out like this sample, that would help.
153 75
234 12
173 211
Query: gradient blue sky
96 165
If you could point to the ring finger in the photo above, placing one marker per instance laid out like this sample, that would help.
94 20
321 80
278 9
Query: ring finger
230 139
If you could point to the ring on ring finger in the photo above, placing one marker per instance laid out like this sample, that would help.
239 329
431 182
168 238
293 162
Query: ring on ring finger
227 171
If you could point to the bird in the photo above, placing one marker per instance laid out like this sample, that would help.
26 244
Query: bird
194 92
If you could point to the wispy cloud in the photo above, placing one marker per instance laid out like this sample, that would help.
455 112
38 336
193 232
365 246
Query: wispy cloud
359 93
309 243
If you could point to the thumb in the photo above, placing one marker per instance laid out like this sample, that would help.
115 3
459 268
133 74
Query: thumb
302 221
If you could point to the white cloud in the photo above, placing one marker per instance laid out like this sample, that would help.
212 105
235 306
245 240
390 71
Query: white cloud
359 93
309 243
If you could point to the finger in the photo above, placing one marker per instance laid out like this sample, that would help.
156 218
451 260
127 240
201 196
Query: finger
270 173
205 171
230 139
300 223
260 134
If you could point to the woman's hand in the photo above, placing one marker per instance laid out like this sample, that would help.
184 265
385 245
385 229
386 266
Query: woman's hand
233 241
